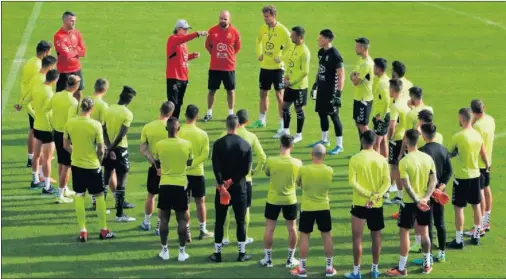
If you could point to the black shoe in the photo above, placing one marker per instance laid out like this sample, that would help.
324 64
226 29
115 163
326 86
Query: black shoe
215 257
454 245
51 191
36 186
29 163
128 205
475 241
207 117
243 257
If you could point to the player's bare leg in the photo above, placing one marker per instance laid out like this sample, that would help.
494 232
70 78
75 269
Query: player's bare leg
279 98
426 249
488 207
264 106
291 226
210 103
36 183
200 204
30 146
458 242
300 270
164 217
376 251
188 232
475 239
357 230
230 101
270 226
149 207
182 225
287 116
328 248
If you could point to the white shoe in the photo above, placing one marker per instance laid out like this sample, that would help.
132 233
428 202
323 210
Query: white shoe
68 193
164 254
225 241
265 263
292 264
63 200
183 257
280 129
124 218
279 134
249 240
297 138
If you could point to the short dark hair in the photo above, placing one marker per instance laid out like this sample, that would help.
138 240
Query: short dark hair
192 111
43 46
399 68
286 141
380 63
368 137
232 122
243 116
396 84
477 106
466 113
327 34
172 126
429 130
299 31
67 13
167 108
412 136
270 9
101 84
48 61
52 75
73 80
127 94
87 104
426 116
416 92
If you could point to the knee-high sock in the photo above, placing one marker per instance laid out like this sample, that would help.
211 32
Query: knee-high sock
246 220
80 212
226 227
101 212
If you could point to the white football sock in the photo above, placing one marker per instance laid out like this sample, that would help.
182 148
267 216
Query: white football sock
339 141
230 111
374 267
402 262
291 252
242 247
458 236
202 227
302 264
147 218
217 247
329 261
35 177
267 254
325 136
356 269
30 156
262 117
210 112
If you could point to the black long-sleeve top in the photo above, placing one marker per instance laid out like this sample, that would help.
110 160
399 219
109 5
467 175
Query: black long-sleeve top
232 158
442 160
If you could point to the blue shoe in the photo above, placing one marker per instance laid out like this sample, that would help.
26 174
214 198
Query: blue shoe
418 261
351 275
157 232
325 143
375 274
336 150
145 227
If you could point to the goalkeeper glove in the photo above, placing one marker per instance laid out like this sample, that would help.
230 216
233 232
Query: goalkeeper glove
313 91
440 197
224 195
336 101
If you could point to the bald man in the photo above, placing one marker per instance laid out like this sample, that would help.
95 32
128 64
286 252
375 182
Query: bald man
223 44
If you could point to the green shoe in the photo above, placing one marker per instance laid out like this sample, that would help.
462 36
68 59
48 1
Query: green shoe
415 248
36 186
257 124
418 261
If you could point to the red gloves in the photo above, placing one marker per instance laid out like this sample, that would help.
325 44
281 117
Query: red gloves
440 197
224 194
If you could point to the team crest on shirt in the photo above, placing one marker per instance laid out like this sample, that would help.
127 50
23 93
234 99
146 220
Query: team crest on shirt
326 58
229 36
269 46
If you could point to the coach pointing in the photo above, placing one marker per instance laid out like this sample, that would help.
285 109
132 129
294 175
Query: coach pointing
177 63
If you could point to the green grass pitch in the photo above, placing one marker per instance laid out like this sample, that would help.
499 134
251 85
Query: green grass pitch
455 51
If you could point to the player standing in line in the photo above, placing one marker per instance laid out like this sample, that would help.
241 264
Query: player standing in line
370 178
40 96
173 155
398 71
223 44
362 77
253 141
396 129
117 122
31 68
315 180
427 117
273 39
467 147
485 125
281 196
231 161
297 58
84 139
328 89
70 47
177 62
381 103
444 171
418 176
151 134
195 173
60 105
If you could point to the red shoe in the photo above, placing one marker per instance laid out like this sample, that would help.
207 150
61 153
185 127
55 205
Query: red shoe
426 269
395 272
106 234
395 215
83 236
298 272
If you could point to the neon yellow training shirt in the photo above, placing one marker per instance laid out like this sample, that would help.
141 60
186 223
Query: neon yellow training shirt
84 133
283 171
60 105
315 180
40 96
32 68
117 116
271 43
152 133
297 59
173 154
200 147
467 143
416 167
398 112
381 95
486 127
365 70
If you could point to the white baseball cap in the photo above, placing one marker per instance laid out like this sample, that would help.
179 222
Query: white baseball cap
181 23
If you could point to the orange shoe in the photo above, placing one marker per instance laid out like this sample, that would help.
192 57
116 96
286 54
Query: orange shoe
395 272
298 272
395 215
42 179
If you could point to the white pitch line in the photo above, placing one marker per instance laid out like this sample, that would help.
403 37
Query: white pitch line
484 20
20 54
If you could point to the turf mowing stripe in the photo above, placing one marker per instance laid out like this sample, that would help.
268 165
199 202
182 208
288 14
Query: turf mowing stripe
487 21
20 54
